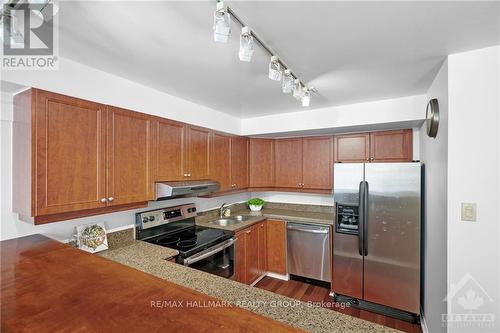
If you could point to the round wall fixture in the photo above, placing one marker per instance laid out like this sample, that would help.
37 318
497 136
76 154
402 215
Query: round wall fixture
432 117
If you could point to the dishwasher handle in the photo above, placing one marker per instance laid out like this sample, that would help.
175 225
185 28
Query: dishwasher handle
308 230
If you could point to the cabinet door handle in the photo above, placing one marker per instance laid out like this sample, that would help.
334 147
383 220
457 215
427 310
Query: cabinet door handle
189 175
185 175
368 159
248 231
104 200
111 199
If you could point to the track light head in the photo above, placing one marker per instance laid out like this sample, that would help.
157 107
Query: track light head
222 23
246 44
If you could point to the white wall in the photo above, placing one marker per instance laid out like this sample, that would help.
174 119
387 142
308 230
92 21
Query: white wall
398 111
473 171
75 79
434 154
12 227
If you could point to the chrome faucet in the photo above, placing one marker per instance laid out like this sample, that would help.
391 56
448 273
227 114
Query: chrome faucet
222 209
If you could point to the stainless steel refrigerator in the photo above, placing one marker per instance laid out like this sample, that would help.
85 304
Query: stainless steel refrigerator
376 241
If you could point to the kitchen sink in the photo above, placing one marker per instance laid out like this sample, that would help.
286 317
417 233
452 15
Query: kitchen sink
232 220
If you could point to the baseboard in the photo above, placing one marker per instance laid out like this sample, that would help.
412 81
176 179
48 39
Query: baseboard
423 323
285 277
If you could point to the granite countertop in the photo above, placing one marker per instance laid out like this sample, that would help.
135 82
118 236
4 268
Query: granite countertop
149 258
273 213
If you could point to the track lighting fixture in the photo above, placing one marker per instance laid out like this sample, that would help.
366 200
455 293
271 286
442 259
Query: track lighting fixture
222 23
297 89
274 69
278 69
246 45
287 82
306 97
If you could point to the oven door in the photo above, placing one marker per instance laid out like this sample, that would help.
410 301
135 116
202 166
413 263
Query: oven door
218 259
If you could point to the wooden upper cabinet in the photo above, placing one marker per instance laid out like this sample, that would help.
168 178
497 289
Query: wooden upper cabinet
220 163
69 153
317 162
276 246
288 162
261 162
170 150
352 147
198 163
239 162
391 146
129 157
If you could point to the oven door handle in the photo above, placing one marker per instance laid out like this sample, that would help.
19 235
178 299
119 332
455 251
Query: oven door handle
208 252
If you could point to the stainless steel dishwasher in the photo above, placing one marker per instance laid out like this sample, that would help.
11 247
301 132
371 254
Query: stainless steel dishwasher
308 250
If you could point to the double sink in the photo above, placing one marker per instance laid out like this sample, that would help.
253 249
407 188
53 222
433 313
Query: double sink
233 220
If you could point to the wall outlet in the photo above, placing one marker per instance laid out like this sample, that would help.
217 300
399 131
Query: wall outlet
469 211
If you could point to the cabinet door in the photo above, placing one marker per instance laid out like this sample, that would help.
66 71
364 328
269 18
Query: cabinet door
69 154
317 162
239 162
220 164
288 163
252 254
276 246
198 153
170 150
261 232
261 163
352 147
129 157
391 146
240 264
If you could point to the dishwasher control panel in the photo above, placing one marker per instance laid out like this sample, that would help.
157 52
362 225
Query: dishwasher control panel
347 219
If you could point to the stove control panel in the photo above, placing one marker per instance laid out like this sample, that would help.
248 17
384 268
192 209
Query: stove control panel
156 217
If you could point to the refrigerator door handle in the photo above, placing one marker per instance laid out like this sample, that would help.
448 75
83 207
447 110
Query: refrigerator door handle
365 219
361 222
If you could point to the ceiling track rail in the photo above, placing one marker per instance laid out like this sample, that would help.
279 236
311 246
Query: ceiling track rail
267 48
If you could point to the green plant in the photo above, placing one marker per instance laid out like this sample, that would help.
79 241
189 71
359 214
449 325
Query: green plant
256 202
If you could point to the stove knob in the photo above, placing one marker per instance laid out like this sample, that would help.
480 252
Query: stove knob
145 219
151 218
193 209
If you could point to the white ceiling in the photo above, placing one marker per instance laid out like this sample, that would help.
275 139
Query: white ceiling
350 51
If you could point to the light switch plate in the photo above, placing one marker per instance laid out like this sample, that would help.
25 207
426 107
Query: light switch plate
468 212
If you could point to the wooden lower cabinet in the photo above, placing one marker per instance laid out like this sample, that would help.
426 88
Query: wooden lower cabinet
250 253
276 246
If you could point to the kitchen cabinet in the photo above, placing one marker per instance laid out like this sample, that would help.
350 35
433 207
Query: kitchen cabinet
288 163
69 152
352 147
276 246
391 146
304 163
198 153
384 146
261 162
220 164
170 150
83 157
262 241
250 253
182 151
129 157
239 162
317 163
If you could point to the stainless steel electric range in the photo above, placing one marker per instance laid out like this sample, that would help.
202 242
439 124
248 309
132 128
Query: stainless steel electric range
207 249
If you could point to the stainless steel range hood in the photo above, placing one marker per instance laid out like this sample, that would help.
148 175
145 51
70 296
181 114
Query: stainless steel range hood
193 188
